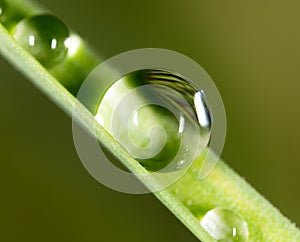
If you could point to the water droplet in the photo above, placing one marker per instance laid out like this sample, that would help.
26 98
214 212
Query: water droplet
44 36
153 114
225 225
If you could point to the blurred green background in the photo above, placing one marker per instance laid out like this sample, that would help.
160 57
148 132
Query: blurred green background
251 49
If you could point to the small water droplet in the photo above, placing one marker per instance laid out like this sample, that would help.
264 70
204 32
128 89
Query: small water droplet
225 225
44 36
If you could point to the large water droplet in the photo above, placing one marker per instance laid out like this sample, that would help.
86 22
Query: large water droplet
225 225
158 117
45 37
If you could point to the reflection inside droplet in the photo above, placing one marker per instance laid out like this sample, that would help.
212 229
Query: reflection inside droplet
202 111
53 44
181 124
31 40
72 44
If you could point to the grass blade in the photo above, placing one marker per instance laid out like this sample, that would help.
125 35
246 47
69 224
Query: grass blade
189 198
51 87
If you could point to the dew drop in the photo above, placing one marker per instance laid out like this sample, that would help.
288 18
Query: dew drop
154 115
225 225
44 36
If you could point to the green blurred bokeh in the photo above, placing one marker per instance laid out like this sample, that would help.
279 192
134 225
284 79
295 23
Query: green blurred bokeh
251 49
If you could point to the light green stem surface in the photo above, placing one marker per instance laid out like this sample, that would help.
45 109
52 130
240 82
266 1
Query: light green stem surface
189 198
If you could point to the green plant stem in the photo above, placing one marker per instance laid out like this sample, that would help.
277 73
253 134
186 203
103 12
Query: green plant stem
189 198
52 88
224 187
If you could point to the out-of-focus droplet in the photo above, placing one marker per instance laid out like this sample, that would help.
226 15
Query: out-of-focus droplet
45 37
